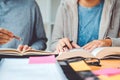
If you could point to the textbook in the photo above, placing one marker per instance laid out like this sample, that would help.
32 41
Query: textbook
15 52
100 53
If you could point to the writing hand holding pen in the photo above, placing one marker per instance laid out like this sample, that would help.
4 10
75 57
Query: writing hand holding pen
65 44
6 36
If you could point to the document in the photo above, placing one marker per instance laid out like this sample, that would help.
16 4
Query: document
20 69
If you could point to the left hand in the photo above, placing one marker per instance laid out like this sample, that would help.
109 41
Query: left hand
23 48
97 43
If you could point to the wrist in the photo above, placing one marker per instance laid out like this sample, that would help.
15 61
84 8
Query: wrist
108 42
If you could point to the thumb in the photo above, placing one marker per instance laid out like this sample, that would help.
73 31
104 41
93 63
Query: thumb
74 45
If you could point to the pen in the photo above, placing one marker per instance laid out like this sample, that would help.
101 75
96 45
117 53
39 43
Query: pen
16 37
66 45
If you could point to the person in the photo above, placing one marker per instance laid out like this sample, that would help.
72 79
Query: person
23 19
87 23
5 36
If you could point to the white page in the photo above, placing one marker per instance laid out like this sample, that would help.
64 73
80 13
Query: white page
19 69
96 51
77 49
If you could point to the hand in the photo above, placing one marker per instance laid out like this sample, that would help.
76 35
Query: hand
97 43
64 45
5 36
23 48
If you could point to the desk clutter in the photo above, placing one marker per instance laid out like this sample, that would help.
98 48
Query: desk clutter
79 70
48 67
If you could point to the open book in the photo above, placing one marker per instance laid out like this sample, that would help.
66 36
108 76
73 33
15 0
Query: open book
15 52
100 53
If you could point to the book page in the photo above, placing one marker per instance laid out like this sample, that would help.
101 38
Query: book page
108 51
74 53
96 51
10 51
38 52
15 52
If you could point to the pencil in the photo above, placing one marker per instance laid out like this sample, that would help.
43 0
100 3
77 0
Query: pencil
16 37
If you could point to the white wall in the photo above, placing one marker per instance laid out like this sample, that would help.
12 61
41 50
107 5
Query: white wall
48 9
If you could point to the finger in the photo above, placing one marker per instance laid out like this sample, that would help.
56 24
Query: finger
20 48
65 49
68 44
92 48
29 48
87 45
74 45
60 49
56 51
6 32
5 36
62 43
3 41
25 47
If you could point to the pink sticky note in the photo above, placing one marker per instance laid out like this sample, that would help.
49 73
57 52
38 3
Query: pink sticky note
107 71
42 60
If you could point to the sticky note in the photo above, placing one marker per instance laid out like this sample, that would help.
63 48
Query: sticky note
107 71
42 60
116 77
79 66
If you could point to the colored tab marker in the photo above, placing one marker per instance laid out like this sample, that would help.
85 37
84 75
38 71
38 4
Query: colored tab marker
107 71
42 60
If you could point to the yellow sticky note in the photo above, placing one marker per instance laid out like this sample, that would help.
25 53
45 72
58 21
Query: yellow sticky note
79 66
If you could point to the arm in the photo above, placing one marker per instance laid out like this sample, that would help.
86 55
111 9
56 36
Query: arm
115 42
60 35
58 28
39 36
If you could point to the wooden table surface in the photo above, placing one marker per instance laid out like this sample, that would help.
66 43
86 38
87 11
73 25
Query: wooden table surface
107 64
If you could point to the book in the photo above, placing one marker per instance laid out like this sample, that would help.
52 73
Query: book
15 52
100 53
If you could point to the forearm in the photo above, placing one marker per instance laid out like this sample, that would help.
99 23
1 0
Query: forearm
115 42
39 45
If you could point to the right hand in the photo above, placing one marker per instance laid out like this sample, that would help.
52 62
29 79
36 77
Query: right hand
23 48
64 45
5 36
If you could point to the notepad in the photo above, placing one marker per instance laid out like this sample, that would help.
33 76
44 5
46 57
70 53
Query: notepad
107 71
42 60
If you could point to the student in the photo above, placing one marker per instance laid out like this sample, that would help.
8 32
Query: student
88 23
23 19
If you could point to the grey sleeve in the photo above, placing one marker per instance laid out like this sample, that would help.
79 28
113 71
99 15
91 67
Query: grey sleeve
58 29
115 42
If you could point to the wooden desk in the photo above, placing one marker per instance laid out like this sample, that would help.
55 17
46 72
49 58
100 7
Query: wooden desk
107 64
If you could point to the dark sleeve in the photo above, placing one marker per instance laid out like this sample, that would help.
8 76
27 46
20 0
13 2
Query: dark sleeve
39 36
